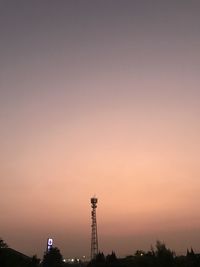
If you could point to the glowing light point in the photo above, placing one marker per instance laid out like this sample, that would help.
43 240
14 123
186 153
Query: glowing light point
49 244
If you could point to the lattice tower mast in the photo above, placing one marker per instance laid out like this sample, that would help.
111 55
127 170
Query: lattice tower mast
94 236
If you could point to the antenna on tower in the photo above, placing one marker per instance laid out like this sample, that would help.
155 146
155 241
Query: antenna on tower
94 237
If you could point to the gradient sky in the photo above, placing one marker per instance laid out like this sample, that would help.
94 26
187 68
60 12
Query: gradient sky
100 97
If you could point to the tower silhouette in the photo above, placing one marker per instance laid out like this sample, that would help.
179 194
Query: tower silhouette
94 237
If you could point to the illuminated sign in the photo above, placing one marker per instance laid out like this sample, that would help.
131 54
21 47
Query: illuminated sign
49 243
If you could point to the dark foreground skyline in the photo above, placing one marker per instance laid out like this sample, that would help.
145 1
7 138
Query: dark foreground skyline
158 256
99 97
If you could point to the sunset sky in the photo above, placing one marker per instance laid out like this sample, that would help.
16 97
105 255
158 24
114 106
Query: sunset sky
100 98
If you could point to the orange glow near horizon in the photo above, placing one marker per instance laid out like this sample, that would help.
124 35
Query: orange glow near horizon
100 106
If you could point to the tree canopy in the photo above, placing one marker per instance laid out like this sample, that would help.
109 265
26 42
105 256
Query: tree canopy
3 244
52 258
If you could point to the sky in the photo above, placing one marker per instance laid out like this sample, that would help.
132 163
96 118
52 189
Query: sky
99 98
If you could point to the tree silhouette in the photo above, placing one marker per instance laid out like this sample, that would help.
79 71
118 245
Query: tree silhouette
52 258
111 257
34 261
100 257
139 253
165 257
3 244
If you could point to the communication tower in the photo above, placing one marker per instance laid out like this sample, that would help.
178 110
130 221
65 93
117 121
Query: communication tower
94 237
